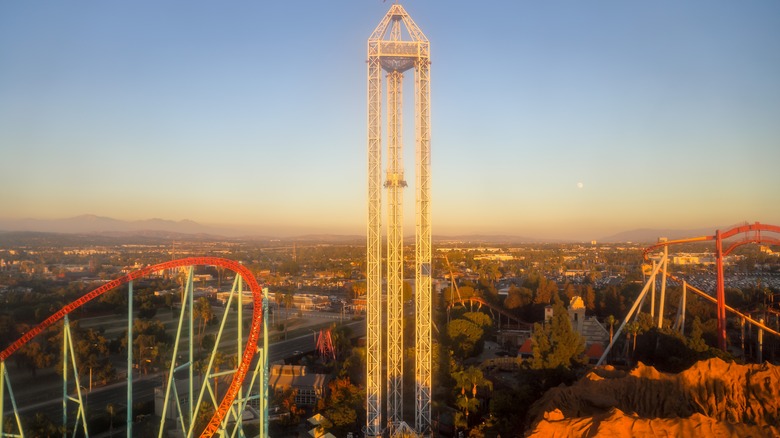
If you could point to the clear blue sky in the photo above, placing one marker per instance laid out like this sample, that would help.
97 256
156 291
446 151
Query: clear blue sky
561 119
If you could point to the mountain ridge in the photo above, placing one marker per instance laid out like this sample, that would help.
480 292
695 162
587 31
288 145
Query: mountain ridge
158 227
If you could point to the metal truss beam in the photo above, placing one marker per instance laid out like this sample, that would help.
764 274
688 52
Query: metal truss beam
374 245
423 250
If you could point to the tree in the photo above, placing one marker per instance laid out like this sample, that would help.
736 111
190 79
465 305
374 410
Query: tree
285 399
341 338
146 306
344 403
611 322
632 330
205 412
116 299
467 292
482 320
466 337
181 278
696 342
41 426
8 332
611 302
490 272
358 289
203 312
556 344
518 297
37 356
92 355
545 291
220 274
150 339
288 301
290 267
468 383
589 295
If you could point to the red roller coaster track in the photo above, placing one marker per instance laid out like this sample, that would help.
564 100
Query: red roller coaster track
720 253
249 350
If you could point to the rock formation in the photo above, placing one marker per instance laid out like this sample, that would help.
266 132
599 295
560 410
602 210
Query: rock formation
712 398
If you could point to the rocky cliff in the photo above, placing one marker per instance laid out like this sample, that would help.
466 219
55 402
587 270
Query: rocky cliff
712 398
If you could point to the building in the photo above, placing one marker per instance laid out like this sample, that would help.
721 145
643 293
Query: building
309 388
595 335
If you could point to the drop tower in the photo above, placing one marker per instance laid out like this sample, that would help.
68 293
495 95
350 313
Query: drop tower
396 47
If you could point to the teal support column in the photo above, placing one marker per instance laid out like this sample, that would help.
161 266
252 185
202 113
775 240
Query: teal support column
5 381
264 358
240 345
65 377
130 358
173 368
191 303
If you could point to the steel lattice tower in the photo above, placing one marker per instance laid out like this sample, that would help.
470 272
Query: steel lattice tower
388 51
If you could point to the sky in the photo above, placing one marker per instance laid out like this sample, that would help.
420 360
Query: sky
556 119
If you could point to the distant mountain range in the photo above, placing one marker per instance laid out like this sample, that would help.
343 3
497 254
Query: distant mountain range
91 224
156 228
162 228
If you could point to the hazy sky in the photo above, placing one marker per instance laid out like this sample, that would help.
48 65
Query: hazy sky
563 119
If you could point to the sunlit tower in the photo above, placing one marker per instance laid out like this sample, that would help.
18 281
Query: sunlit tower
395 46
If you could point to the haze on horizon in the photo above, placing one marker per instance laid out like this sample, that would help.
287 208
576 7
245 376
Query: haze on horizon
569 120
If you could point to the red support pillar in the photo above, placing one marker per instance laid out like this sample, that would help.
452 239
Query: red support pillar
721 295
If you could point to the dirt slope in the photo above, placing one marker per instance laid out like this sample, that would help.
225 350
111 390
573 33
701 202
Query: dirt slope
713 397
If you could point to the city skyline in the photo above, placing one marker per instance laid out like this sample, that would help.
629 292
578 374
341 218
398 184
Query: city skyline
562 121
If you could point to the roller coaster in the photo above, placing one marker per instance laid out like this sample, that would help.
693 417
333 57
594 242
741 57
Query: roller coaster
512 321
740 235
181 386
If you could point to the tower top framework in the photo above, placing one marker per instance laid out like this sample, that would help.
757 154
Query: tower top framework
387 43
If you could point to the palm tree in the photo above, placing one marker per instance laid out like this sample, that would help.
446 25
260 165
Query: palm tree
633 329
279 298
181 278
204 314
288 301
219 360
611 321
470 378
220 273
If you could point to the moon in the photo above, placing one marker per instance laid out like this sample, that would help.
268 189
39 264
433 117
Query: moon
580 185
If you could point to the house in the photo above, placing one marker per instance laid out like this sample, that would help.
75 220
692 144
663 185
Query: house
310 388
526 350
